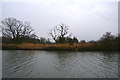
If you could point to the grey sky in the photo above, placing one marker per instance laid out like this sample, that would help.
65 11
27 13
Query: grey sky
86 20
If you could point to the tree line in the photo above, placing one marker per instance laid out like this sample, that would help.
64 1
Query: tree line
17 32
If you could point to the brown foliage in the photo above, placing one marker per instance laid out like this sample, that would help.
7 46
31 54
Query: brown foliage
57 46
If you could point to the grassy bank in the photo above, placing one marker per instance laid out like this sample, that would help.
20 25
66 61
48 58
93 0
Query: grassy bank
69 47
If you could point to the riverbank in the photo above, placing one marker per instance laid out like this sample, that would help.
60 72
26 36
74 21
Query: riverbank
56 46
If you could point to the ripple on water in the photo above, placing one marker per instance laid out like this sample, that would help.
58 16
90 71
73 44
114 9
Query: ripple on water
59 64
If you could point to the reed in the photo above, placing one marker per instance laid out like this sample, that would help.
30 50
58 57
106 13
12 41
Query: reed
57 46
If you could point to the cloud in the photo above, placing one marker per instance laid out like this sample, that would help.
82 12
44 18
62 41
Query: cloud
49 1
87 20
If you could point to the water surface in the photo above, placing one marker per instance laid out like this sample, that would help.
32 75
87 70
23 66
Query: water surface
59 64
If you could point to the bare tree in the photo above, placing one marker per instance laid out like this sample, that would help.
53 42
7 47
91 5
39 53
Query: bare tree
59 32
54 33
15 29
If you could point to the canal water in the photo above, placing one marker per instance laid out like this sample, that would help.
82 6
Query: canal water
59 64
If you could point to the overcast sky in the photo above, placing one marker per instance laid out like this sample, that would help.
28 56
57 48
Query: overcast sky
86 20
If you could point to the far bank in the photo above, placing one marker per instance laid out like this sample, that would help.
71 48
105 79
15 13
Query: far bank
61 47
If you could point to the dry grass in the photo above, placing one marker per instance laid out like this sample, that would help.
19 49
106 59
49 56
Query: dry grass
31 46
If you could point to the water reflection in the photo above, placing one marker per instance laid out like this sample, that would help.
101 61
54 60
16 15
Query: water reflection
59 64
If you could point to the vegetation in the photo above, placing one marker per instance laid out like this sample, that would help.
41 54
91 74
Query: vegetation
19 35
16 31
